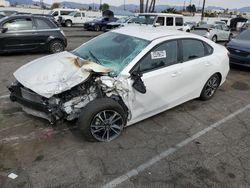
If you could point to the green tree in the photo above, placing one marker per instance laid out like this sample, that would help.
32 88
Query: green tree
170 10
104 7
55 5
191 8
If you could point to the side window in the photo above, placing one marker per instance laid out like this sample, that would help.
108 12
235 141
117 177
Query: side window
179 21
55 13
19 24
78 14
63 13
83 14
42 24
170 21
161 56
209 49
161 21
192 49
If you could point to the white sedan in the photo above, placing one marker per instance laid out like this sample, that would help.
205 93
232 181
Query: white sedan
120 78
216 32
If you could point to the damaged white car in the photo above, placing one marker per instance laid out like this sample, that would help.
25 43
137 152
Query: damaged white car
119 78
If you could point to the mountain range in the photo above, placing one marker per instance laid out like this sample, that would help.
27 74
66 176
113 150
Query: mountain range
129 7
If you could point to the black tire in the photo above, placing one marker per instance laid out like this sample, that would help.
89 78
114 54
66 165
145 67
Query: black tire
93 125
230 37
210 87
214 38
97 28
104 28
56 46
68 23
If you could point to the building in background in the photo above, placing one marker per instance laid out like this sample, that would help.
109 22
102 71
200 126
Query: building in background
4 3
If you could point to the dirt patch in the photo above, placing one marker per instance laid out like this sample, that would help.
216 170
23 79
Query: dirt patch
240 86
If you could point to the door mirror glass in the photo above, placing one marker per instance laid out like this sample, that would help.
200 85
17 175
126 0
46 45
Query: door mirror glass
138 83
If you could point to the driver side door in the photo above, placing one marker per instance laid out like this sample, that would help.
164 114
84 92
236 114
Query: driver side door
161 74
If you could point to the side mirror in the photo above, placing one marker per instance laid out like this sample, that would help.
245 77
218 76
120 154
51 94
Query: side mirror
157 25
138 83
4 30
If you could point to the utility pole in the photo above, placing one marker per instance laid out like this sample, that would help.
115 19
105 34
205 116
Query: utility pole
203 9
124 5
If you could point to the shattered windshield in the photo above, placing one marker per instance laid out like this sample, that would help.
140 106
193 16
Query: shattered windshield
112 50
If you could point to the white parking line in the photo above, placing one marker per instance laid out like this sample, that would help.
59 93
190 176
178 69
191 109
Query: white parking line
4 96
157 158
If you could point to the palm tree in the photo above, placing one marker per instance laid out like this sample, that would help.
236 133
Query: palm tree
141 6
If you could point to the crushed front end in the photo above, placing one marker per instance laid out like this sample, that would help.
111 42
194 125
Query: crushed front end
66 105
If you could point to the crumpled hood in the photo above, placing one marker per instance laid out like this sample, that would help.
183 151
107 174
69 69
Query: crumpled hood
56 73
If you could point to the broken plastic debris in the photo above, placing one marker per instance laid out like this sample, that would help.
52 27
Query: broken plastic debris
12 176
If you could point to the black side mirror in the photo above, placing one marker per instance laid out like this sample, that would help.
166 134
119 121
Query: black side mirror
138 83
4 30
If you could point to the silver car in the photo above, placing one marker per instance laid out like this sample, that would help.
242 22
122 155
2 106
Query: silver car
216 32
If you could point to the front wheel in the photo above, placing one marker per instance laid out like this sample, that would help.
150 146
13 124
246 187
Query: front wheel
102 120
210 87
97 28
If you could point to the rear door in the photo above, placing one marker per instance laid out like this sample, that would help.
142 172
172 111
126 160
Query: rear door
78 18
19 36
197 66
43 33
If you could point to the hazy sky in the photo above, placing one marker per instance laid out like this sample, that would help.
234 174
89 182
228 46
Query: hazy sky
221 3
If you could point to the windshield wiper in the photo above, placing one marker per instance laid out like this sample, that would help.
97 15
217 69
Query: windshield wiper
95 58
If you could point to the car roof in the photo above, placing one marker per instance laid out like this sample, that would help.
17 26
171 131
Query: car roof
161 14
148 32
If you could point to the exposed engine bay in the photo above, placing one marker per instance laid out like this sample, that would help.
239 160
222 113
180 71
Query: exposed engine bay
67 102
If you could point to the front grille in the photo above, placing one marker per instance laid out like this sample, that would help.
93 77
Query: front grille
31 96
238 52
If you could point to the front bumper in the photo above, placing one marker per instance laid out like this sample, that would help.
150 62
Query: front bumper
35 104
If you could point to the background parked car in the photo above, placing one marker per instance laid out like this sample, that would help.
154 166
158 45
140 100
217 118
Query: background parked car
192 25
239 49
121 22
74 18
7 12
217 32
30 33
99 24
168 21
61 12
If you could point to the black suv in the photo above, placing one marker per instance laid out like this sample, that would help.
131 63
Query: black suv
30 33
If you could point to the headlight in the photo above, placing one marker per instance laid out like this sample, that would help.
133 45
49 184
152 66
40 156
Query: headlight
62 32
92 24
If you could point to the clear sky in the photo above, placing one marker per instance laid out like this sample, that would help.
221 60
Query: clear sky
221 3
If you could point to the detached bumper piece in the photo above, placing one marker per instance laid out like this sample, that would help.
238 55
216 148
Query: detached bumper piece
35 104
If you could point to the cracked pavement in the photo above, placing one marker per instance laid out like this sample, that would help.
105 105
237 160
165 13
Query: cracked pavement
57 156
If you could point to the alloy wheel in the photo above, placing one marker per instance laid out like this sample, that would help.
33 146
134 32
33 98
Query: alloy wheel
106 125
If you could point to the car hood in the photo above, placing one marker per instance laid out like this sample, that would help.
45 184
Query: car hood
239 44
56 73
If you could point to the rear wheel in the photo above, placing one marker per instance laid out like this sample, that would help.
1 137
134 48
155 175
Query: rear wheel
230 37
210 87
214 38
68 23
97 28
56 46
102 120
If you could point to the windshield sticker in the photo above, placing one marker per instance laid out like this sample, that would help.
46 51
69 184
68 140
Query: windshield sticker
158 54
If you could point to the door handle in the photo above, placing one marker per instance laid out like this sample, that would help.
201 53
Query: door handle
207 63
174 74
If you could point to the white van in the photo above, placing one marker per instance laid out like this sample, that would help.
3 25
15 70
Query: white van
170 21
61 12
